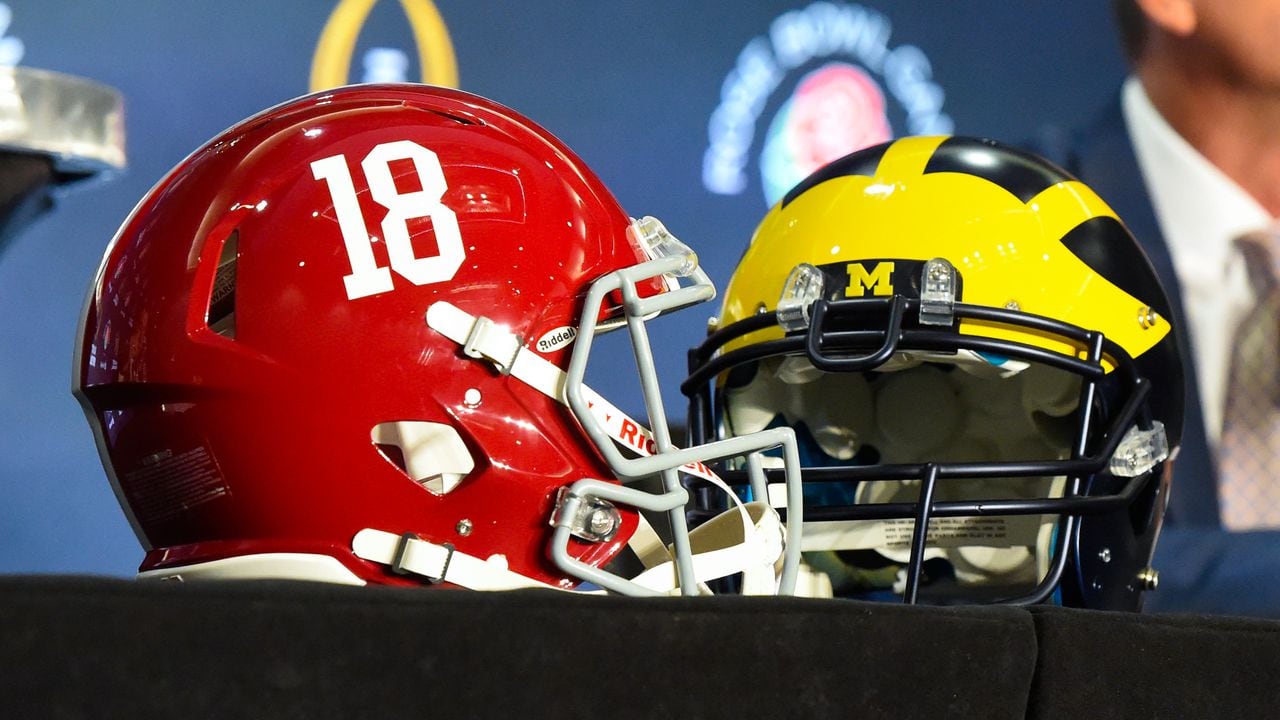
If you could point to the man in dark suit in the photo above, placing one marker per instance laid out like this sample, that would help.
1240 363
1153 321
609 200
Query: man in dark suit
1188 155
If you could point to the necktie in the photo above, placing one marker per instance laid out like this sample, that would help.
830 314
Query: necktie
1249 451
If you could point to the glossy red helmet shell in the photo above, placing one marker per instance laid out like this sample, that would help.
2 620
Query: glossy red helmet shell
235 376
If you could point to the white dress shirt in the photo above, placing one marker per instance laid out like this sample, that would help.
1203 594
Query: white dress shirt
1201 211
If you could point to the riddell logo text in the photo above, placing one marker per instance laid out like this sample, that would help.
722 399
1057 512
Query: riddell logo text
638 438
557 338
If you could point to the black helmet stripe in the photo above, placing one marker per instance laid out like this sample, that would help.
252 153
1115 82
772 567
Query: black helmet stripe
863 162
1021 173
1024 175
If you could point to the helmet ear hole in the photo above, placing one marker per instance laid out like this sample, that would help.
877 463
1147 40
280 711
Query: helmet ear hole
431 454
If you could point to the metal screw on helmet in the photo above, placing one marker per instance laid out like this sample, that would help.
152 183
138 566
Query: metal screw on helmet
463 527
1105 555
603 522
1148 579
1147 317
471 398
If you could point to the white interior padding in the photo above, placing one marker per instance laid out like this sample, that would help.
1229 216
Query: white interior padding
967 409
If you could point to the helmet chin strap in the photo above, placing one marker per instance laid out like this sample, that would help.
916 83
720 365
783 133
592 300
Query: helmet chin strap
410 555
719 551
747 538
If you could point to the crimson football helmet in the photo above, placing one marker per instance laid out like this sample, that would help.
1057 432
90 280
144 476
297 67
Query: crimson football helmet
346 339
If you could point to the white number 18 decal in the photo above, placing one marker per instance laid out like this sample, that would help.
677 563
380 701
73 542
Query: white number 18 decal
366 277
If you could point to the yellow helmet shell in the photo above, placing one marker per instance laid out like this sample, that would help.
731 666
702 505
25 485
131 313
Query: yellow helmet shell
1003 218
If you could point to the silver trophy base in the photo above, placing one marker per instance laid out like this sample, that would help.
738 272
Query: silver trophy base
54 129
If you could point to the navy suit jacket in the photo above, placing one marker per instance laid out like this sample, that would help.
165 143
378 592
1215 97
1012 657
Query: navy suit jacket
1103 157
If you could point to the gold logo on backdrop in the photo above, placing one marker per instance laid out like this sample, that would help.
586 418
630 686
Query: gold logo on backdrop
878 281
331 65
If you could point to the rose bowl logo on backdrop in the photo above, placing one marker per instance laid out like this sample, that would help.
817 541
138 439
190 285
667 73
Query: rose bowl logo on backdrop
845 88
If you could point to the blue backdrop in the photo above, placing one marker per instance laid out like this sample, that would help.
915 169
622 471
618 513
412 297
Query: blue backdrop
644 91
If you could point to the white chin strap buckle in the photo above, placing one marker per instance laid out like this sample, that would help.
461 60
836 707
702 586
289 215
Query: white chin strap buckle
397 558
488 341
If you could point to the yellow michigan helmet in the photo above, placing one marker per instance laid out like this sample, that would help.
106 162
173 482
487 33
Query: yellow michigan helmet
965 339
